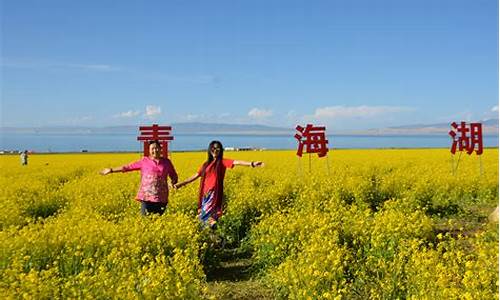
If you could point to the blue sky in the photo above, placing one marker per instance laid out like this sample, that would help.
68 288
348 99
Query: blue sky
345 64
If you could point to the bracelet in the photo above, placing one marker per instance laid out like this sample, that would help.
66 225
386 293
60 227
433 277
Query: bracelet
110 170
253 166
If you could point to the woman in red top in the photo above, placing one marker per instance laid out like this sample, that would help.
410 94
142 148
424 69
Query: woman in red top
212 182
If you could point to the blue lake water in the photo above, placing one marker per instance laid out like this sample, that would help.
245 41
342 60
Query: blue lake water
128 142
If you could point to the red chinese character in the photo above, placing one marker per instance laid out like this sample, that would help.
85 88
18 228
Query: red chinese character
155 132
468 138
313 138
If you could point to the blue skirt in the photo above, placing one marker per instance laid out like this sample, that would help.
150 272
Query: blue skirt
208 214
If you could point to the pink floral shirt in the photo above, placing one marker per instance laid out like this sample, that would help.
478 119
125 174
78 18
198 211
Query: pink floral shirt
154 187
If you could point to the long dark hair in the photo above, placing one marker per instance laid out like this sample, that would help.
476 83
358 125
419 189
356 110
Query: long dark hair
210 158
209 151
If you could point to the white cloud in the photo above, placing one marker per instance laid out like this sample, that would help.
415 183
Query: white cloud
491 114
208 118
257 113
94 67
357 111
128 114
79 120
152 111
33 64
465 115
191 117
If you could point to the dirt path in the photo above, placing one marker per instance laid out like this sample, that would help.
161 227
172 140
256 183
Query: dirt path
232 279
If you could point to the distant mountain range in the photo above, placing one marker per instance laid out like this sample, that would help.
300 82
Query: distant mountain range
490 127
177 128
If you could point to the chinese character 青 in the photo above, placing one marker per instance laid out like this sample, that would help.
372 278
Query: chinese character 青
155 132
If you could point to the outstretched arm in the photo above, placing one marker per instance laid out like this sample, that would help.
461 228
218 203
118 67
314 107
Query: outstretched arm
135 166
252 164
189 180
107 171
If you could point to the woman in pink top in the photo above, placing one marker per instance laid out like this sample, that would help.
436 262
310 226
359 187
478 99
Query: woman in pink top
212 182
153 191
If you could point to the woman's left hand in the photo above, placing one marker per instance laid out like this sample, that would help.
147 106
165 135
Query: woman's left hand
257 164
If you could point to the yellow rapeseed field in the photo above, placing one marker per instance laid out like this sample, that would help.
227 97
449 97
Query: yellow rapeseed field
366 224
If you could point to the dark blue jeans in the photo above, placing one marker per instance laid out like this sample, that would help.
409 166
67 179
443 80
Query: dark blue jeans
148 208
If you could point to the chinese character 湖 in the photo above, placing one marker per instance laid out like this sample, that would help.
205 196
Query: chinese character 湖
467 138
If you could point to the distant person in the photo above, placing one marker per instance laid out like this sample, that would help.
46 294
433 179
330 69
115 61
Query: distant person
24 158
212 183
153 191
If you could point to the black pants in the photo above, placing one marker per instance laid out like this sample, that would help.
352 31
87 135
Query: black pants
152 208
